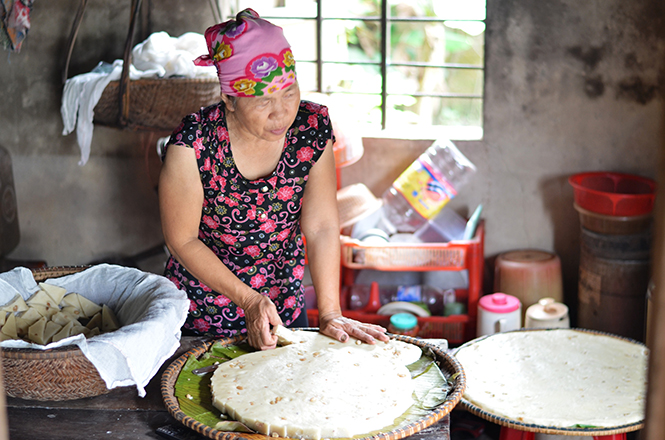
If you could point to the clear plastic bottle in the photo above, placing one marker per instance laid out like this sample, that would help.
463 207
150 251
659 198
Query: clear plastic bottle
434 298
424 188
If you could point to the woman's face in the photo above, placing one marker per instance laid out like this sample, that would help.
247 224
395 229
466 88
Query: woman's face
266 117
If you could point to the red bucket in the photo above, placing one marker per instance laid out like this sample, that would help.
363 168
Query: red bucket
614 194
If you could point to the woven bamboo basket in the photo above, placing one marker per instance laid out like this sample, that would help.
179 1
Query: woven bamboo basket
451 368
580 431
157 104
53 375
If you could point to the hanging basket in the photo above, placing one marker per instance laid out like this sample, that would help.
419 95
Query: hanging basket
157 104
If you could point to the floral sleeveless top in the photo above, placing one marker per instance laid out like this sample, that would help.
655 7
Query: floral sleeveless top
253 226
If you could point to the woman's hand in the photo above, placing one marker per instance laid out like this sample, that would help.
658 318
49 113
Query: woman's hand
338 327
260 315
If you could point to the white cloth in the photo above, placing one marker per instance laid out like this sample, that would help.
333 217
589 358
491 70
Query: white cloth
158 56
149 307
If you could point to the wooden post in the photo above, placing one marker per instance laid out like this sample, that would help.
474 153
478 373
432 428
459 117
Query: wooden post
4 425
655 409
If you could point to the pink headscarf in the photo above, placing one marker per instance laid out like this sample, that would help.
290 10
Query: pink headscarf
251 55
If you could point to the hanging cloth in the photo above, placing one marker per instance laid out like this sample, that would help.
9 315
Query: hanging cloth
15 23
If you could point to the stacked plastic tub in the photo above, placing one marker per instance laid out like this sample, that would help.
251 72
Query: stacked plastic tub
615 212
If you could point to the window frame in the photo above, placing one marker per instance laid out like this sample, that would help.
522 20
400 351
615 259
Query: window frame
384 64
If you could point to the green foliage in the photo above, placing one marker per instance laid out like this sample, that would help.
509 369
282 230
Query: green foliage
422 42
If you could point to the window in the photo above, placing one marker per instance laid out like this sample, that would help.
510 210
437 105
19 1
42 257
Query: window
391 64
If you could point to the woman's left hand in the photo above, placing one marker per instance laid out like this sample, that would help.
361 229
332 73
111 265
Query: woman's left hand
339 327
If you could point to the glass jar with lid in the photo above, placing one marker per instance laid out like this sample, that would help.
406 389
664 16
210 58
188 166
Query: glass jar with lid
404 324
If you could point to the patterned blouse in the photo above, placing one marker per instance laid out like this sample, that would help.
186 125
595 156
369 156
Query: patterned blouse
253 226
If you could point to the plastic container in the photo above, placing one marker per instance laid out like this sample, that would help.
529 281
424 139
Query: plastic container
403 324
529 275
364 224
348 147
374 236
547 313
497 313
454 308
434 298
423 189
446 226
614 194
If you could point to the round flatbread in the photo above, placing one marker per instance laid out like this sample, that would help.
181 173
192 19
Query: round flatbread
317 387
557 378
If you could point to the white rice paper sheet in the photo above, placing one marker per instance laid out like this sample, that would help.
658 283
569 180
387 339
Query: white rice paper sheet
149 307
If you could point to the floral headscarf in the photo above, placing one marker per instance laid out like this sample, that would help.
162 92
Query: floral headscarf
251 55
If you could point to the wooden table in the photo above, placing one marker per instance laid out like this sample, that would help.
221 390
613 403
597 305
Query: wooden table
121 415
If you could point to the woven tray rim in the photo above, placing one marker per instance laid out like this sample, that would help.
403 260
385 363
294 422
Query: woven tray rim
554 430
170 376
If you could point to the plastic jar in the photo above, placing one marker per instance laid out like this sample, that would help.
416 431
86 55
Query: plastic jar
497 313
403 324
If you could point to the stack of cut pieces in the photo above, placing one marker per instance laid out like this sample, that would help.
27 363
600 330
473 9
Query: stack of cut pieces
316 387
52 314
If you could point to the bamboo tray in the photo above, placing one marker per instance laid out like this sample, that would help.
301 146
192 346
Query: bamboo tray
448 365
489 415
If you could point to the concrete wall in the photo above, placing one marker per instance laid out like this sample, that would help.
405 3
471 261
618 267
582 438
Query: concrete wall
107 209
570 86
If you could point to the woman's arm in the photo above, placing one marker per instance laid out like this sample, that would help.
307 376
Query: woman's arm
180 203
320 225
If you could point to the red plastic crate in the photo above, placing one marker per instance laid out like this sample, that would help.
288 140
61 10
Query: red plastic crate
451 328
455 255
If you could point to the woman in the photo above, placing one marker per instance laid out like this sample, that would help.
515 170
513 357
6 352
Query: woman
239 181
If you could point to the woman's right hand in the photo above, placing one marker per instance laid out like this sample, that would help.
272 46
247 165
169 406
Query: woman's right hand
260 315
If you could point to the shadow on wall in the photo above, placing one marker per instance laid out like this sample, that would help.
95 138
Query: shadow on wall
149 260
557 197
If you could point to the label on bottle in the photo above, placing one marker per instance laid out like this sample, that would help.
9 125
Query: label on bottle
409 293
425 188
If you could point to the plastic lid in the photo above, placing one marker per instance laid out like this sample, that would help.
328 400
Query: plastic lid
499 303
403 321
547 309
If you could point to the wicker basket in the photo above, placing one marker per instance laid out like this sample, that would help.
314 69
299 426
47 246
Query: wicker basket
156 104
451 368
57 374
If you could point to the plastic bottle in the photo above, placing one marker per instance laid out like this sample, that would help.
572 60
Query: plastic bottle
433 297
446 226
420 192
